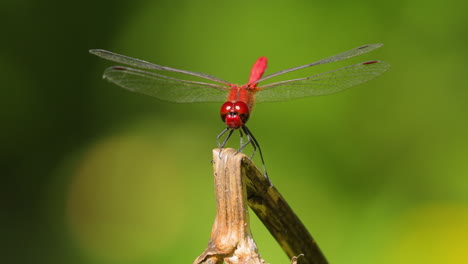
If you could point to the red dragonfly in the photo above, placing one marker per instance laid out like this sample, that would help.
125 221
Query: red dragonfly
239 99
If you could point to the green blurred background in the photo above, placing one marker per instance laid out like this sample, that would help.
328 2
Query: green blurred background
92 173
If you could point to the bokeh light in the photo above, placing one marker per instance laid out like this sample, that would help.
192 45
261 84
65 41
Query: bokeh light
120 205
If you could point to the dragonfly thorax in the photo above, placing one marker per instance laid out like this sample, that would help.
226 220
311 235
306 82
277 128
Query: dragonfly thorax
235 114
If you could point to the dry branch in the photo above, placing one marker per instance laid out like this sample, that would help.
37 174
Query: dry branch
238 181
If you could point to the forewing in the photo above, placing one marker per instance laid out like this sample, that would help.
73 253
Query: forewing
322 84
148 65
165 88
338 57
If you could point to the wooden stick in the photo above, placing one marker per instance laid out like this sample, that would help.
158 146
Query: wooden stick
238 182
278 217
231 240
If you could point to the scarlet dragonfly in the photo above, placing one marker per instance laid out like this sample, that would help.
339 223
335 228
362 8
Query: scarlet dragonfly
239 99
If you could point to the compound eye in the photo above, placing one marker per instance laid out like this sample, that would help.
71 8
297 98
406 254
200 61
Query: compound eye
226 108
241 108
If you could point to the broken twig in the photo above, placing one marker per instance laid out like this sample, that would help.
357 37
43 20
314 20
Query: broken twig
239 183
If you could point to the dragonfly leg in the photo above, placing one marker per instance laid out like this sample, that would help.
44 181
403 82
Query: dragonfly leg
242 144
221 145
251 139
241 137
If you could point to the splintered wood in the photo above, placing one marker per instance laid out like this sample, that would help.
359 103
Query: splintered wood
238 183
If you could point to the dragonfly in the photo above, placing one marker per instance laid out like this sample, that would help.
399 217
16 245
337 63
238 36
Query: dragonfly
148 78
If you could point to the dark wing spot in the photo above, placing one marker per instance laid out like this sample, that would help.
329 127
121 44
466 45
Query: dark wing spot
363 47
369 62
120 68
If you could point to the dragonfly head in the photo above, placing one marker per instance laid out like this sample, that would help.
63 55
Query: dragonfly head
235 114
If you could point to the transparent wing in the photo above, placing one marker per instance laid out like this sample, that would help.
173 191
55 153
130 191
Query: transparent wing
148 65
338 57
165 88
322 84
